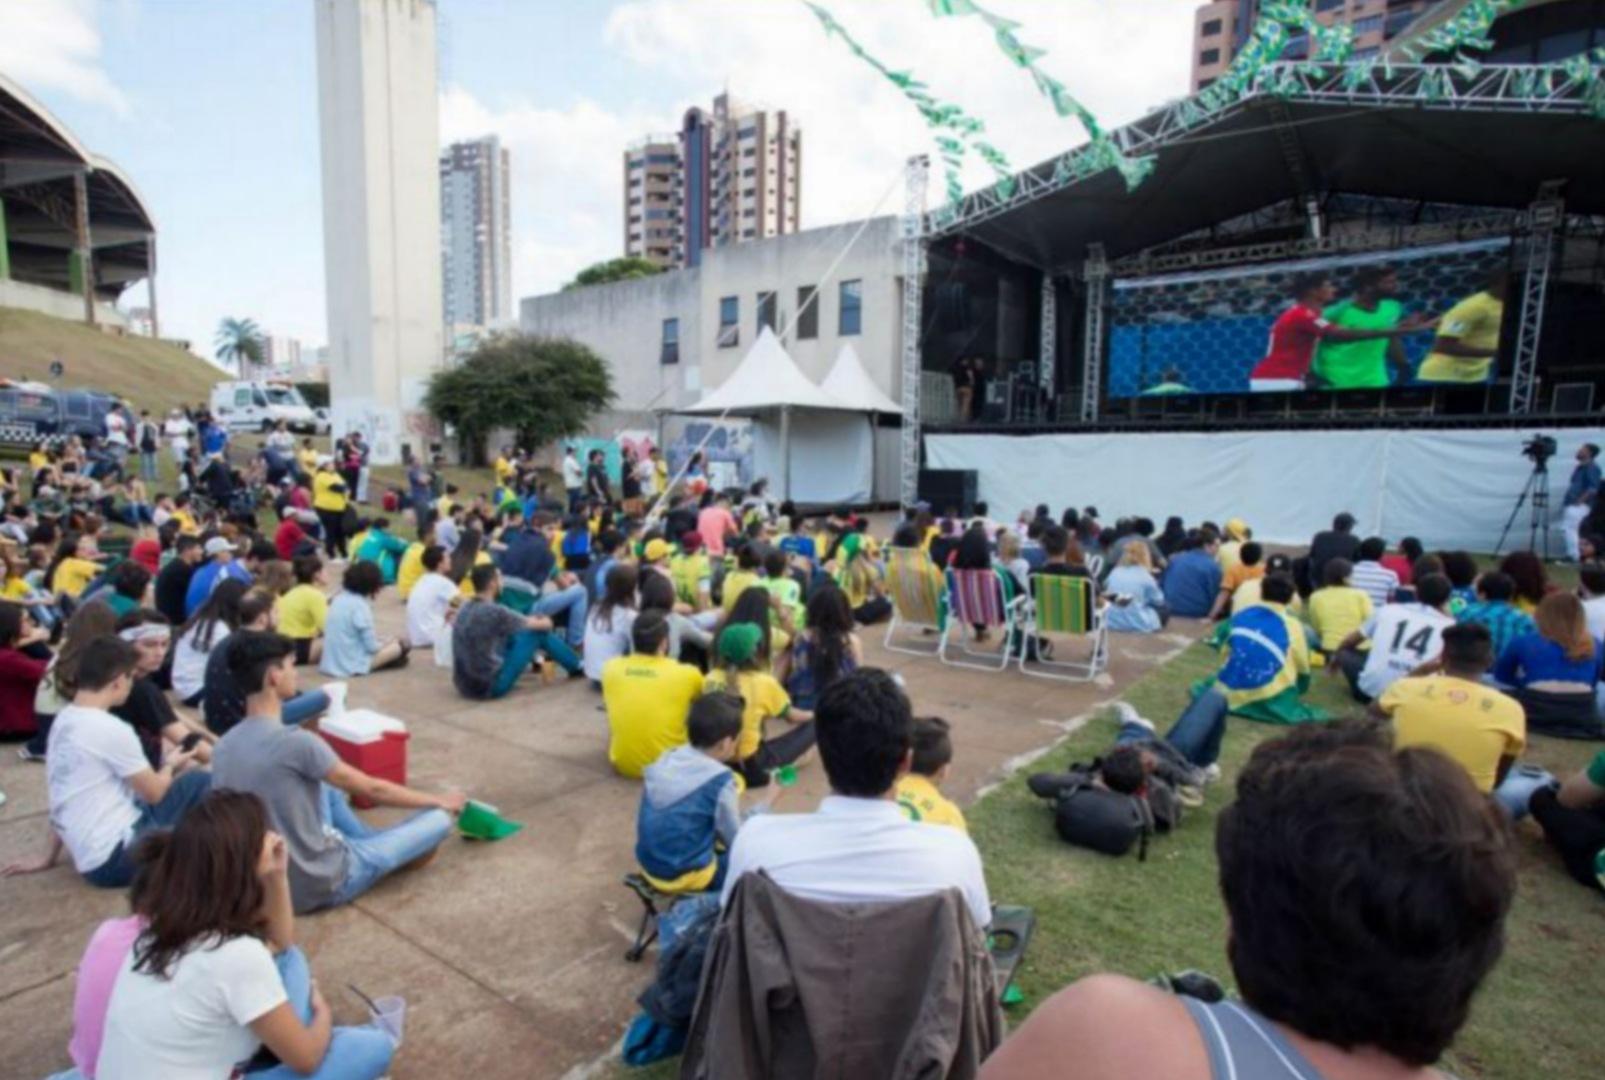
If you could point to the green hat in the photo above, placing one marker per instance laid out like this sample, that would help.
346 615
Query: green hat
481 821
738 643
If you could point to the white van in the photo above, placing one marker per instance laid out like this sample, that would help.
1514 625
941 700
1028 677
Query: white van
259 404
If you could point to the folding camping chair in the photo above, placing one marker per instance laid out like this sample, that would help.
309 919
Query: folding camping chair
981 599
1066 606
918 594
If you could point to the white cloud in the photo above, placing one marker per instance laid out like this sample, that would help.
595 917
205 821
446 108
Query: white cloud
55 45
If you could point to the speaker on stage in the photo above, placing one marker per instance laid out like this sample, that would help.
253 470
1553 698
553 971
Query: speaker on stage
948 490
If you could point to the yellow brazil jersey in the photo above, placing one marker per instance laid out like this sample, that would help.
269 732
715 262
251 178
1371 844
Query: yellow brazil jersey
302 612
73 576
16 589
467 587
647 699
410 570
737 582
324 497
308 459
920 801
186 523
1336 611
762 697
504 469
1475 323
1471 723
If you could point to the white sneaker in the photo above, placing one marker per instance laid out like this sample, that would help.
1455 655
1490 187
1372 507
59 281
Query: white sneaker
1212 773
1128 715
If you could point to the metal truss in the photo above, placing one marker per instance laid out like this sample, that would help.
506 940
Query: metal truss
1097 278
1547 215
1522 88
916 178
1048 353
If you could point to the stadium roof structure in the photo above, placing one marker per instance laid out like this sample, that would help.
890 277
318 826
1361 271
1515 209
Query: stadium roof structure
40 163
1422 132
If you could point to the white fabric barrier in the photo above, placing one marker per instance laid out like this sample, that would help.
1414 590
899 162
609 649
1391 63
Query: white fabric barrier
830 456
1451 489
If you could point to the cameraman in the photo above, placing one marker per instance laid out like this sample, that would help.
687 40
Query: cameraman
1580 495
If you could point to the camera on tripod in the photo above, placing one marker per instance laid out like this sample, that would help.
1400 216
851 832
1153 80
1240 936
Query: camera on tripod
1539 449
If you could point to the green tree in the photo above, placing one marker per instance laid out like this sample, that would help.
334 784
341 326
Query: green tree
239 342
624 269
541 388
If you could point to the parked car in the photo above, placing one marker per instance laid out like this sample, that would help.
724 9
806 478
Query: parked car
259 404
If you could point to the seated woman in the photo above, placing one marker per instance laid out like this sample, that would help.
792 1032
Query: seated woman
214 974
1359 962
743 656
1554 671
223 701
1137 602
688 642
24 658
351 646
214 621
148 710
824 651
1532 582
607 628
380 546
1573 819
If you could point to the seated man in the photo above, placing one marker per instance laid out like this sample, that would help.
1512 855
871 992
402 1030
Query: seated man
381 546
1192 580
528 563
858 846
1402 636
647 695
1496 609
1456 712
220 565
334 856
1370 576
1358 939
1337 608
1266 668
493 645
1573 819
104 793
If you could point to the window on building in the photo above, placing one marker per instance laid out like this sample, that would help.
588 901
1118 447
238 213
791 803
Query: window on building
729 322
807 313
1209 56
669 351
1328 5
1210 28
1397 21
768 310
1368 24
1204 84
850 321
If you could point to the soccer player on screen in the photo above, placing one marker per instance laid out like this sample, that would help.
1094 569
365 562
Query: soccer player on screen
1363 365
1299 329
1468 339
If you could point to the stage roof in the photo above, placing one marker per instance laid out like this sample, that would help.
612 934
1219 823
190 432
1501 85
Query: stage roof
1490 144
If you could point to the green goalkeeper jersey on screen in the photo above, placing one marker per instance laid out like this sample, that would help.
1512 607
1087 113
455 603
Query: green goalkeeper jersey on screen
1358 365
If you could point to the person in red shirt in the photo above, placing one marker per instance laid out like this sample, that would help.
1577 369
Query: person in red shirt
1403 561
23 660
717 524
288 537
147 550
1299 329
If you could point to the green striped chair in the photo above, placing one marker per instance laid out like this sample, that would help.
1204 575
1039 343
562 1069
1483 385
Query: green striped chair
1066 606
918 594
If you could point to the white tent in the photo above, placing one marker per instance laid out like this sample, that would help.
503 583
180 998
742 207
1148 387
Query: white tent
820 453
850 383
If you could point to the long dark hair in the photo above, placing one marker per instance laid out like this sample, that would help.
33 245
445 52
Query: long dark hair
200 880
974 552
90 622
752 606
1527 570
66 548
223 606
464 554
657 593
619 593
830 621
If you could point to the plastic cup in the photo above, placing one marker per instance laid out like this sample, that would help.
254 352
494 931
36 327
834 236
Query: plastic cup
337 697
390 1016
786 775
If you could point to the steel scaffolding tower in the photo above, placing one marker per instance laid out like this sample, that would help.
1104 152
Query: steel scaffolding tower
1545 217
1096 275
916 179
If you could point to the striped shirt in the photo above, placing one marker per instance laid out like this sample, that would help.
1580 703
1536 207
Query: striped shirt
1375 580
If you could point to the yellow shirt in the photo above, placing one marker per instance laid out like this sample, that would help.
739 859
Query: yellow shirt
410 569
323 495
1475 323
1237 574
647 699
302 612
307 458
763 697
920 800
37 461
186 523
73 576
1474 724
1229 556
660 469
737 582
504 469
467 589
1337 611
16 589
443 506
1250 593
691 575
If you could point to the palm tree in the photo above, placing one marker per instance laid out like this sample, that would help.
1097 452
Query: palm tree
239 341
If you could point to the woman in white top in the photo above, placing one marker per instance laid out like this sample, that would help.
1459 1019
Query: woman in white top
607 630
215 974
213 622
179 431
430 602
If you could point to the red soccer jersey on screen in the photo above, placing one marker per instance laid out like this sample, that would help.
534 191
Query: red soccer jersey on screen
1294 336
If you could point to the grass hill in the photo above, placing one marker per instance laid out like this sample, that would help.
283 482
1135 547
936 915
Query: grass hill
150 374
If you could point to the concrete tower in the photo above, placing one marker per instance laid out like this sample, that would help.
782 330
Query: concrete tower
379 118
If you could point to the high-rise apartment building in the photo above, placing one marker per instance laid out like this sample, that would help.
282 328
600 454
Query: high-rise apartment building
1221 28
732 174
476 245
280 353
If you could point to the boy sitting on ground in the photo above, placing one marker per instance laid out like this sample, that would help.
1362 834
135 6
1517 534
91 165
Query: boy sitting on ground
648 696
919 791
1496 610
691 805
1337 608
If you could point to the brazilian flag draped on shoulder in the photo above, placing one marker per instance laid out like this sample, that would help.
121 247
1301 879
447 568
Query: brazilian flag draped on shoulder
1266 668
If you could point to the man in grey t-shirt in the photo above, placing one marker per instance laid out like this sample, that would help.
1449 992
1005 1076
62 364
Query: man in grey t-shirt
334 856
491 646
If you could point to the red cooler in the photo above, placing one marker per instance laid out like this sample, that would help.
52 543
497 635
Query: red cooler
370 741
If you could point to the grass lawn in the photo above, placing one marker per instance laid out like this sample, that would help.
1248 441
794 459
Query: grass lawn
1537 1014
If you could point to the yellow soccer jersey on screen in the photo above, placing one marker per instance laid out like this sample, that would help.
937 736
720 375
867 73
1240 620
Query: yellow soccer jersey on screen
1474 322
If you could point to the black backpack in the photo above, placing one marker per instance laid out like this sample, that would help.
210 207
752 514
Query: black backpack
1091 816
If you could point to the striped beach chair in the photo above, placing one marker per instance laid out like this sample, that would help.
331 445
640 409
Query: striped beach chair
1066 606
918 594
980 600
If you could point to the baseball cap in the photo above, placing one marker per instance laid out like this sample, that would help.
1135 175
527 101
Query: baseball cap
217 545
738 642
1237 528
691 543
655 550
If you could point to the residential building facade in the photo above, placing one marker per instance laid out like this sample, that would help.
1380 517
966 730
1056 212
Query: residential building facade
1221 28
476 233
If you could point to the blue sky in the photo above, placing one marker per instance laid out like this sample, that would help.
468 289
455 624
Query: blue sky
211 108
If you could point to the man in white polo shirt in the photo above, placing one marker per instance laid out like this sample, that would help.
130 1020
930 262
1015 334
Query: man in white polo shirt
858 846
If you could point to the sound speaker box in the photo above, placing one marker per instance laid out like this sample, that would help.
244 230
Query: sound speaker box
948 490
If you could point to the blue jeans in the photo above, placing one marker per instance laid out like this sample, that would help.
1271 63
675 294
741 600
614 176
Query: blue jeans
1517 790
304 706
521 650
1198 732
147 464
185 791
354 1053
572 600
373 853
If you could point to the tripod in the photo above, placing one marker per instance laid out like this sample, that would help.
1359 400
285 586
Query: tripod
1537 489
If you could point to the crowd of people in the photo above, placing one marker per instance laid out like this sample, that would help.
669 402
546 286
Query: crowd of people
161 686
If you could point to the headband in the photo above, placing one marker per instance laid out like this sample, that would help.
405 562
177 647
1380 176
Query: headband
146 631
